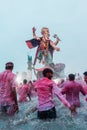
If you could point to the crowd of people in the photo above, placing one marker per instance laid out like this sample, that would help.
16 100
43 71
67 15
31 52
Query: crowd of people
44 88
67 91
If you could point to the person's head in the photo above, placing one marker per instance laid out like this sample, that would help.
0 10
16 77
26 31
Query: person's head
62 80
85 76
71 77
45 32
24 81
9 66
48 73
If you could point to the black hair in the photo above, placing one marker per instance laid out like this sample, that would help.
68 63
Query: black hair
25 81
71 77
85 73
47 70
9 65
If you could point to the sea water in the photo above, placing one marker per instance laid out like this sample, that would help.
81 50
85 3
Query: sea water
26 119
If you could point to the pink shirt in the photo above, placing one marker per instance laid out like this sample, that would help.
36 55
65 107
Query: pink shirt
23 93
85 87
72 90
7 81
32 89
45 89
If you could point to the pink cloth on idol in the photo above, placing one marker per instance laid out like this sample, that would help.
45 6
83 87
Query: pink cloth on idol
72 90
7 81
45 89
23 93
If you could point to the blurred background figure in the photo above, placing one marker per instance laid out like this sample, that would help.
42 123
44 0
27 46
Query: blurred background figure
85 82
32 90
8 96
24 92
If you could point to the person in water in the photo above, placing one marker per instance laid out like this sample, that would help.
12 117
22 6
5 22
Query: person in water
85 83
72 91
8 96
24 92
46 87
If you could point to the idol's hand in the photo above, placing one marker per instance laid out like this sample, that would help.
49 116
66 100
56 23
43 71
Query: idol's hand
34 29
55 36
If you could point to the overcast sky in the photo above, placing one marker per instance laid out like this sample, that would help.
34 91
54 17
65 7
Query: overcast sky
67 18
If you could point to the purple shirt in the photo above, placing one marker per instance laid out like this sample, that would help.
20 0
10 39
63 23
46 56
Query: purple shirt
45 89
72 90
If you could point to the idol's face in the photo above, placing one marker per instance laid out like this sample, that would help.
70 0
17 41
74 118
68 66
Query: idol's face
45 32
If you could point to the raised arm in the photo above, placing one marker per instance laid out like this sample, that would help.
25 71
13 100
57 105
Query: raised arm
34 33
54 46
57 39
57 92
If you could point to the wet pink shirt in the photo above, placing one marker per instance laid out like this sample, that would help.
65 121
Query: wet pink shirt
32 89
84 84
23 93
7 81
45 89
72 90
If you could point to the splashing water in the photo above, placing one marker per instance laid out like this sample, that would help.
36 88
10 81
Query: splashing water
27 119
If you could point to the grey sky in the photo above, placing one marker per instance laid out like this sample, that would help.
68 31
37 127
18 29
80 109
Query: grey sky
67 18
